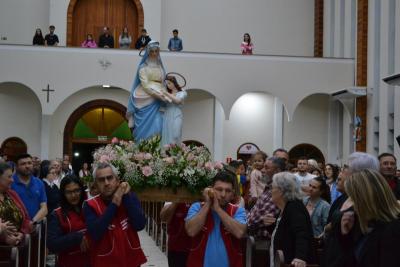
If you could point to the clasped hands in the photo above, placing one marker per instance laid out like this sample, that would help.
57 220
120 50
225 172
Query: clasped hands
123 189
211 199
10 233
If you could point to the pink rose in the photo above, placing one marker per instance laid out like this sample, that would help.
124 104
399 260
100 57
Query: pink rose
148 156
114 140
104 158
209 165
169 160
218 165
147 171
190 157
139 156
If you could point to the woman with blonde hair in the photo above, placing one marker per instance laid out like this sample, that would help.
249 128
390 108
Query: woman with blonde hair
378 215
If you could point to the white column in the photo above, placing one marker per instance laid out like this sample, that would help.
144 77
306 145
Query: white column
372 100
335 132
328 28
278 124
152 10
219 119
383 87
337 36
58 18
350 28
45 137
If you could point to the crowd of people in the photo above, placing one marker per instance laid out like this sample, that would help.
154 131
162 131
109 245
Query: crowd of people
351 213
106 40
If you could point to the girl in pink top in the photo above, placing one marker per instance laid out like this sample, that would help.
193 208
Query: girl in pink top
257 184
247 46
89 42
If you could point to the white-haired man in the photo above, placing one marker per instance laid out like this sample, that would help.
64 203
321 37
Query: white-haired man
112 219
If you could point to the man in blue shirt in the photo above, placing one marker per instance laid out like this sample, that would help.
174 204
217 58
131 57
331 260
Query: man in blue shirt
30 188
175 43
216 226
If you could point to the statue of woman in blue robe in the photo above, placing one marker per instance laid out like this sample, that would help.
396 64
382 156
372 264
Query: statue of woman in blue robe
146 95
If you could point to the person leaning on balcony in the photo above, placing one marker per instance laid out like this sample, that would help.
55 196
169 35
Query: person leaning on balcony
38 37
125 39
89 42
112 220
216 226
51 39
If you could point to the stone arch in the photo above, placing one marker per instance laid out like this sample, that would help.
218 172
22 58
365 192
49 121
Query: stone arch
79 112
306 150
22 114
255 92
70 12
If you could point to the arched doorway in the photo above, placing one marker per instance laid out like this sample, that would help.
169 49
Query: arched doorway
90 16
12 147
91 125
306 150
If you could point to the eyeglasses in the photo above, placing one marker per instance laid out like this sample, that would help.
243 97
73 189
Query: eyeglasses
72 192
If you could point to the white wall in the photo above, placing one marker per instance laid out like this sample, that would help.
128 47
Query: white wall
64 111
198 120
279 27
251 120
20 114
309 124
20 18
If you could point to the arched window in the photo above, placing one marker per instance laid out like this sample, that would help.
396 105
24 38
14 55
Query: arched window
306 150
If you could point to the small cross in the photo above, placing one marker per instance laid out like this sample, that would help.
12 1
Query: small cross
48 90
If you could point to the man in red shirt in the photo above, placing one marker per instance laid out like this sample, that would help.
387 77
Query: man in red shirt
178 241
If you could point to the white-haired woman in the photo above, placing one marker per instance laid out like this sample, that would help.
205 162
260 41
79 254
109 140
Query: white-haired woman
293 231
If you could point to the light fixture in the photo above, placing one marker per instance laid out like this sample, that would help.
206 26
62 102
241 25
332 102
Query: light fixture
106 86
76 154
393 79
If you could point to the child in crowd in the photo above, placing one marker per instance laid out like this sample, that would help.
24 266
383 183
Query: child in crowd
89 42
257 185
247 46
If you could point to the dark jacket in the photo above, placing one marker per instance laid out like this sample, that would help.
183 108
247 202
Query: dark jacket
139 44
379 248
294 235
106 41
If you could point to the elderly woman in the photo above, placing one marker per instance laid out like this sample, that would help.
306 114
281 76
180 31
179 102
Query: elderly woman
14 217
378 214
293 232
146 96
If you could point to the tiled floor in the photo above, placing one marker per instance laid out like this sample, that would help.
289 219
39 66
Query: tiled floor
155 258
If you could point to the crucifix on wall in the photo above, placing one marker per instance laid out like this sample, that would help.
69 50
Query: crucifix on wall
48 90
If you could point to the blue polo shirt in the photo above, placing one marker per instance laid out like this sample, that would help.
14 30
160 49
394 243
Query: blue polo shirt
216 254
32 194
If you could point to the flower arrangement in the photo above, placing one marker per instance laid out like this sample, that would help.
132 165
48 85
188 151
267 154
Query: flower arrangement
147 165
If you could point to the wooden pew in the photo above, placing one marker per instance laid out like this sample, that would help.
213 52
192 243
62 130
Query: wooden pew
15 256
256 257
280 260
9 256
